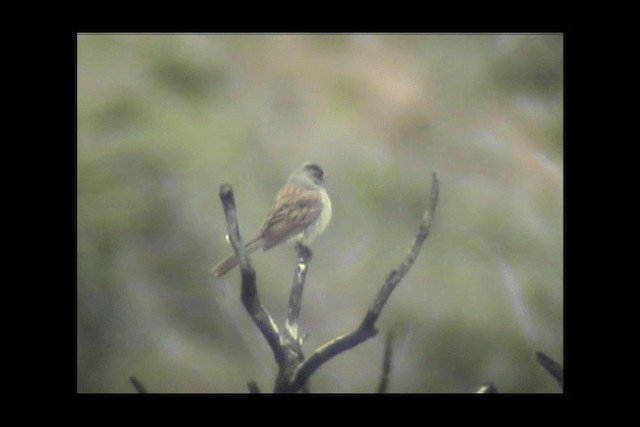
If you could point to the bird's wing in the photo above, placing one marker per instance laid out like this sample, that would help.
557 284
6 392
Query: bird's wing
288 219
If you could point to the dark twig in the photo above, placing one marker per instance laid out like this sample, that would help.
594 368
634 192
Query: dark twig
398 274
386 364
249 295
367 328
253 387
487 388
233 230
137 385
551 366
286 347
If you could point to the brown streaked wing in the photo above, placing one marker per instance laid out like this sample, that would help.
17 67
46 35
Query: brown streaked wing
289 219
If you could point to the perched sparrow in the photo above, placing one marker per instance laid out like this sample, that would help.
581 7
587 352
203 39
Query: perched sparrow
301 212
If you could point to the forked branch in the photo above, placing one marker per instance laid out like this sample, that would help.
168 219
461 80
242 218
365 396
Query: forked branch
367 328
249 296
294 369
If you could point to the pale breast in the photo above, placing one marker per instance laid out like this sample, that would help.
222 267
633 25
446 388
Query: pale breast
315 229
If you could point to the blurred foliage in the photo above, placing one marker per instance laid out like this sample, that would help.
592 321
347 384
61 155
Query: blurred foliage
163 120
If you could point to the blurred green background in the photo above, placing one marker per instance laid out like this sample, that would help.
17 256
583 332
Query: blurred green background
163 120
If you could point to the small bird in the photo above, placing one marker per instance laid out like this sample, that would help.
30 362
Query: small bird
301 212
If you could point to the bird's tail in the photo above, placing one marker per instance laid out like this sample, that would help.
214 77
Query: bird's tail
221 268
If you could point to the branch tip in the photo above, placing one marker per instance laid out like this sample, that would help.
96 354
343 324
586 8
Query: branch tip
552 367
225 190
137 385
253 387
386 364
487 388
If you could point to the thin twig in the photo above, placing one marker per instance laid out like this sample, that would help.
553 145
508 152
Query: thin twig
367 328
137 385
290 340
552 367
398 274
487 388
249 294
233 230
386 364
295 300
253 387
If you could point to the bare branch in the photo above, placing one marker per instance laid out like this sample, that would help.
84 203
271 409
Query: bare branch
233 231
291 340
398 274
386 364
367 328
294 371
249 295
137 385
552 367
487 388
295 300
253 387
